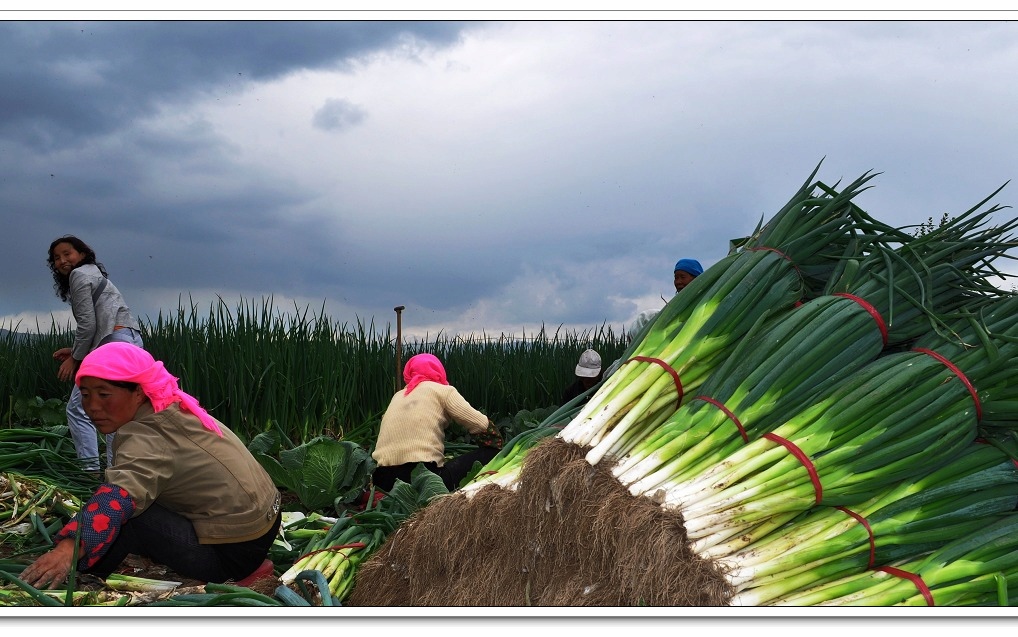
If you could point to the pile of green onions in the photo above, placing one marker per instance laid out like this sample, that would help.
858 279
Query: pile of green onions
897 418
703 323
337 551
978 569
883 301
817 407
907 520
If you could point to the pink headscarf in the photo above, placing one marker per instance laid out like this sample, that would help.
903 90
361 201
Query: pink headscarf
423 367
127 362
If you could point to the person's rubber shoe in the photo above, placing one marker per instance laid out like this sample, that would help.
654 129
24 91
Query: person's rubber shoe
266 570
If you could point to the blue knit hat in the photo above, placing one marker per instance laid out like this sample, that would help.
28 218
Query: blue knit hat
689 265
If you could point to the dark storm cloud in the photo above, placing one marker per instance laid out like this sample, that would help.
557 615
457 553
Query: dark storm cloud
72 161
220 231
541 172
65 80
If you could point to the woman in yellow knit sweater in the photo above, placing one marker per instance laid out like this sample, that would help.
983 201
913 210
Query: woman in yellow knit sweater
413 428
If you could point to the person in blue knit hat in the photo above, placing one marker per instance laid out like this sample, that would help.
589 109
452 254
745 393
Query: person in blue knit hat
685 271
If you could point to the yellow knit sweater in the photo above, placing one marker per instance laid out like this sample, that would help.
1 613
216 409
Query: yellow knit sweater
413 427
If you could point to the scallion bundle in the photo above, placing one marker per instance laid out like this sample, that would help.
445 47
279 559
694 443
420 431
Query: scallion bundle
702 324
907 520
961 572
887 298
895 419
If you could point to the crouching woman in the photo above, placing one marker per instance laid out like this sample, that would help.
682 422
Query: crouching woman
183 490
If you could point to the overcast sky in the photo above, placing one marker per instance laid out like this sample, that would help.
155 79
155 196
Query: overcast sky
490 176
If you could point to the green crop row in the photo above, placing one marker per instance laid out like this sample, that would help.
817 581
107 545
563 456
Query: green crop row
253 364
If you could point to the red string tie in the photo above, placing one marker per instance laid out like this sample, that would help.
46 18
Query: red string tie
783 256
866 525
769 249
801 457
961 376
915 579
727 412
872 312
984 441
668 368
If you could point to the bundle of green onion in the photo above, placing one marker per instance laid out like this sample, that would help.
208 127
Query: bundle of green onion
339 549
774 371
701 325
897 418
907 520
977 569
504 468
884 300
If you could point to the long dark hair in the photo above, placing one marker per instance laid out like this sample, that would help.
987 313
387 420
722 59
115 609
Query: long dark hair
62 283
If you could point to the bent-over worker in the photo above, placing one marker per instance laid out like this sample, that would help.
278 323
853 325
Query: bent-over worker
413 428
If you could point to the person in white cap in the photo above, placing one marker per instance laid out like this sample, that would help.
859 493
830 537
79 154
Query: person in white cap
588 374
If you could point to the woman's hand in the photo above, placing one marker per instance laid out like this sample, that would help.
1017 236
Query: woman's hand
492 437
68 369
62 354
50 569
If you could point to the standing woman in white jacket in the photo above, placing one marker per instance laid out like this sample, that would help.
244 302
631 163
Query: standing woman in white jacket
101 316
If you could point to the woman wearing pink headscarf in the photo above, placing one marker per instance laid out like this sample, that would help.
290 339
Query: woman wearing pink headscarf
183 490
413 428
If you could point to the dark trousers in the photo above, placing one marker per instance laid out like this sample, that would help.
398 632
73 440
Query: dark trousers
452 473
169 538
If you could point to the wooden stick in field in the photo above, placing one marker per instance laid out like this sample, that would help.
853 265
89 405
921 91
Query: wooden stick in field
399 347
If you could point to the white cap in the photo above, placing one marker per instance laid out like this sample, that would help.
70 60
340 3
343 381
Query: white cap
589 365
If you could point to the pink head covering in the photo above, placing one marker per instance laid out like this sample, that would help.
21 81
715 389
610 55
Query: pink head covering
127 362
423 367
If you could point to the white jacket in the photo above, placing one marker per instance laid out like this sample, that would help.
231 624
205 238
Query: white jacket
95 321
